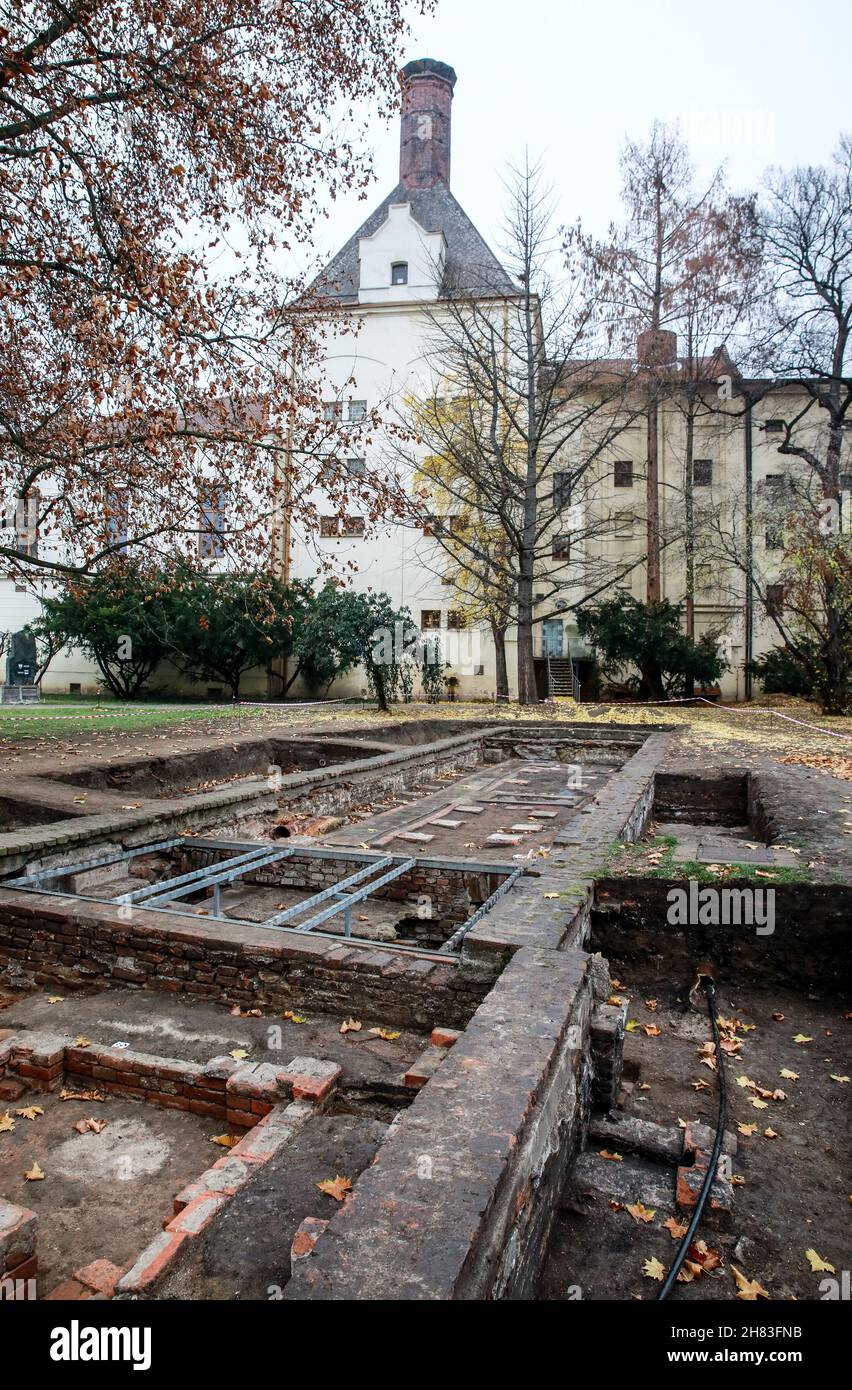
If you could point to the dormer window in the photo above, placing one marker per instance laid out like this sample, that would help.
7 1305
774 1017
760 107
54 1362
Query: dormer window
399 273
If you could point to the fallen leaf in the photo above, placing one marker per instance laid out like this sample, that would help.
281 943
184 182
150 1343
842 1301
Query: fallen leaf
385 1034
613 1157
818 1264
225 1141
779 1018
652 1269
615 1000
82 1042
651 1005
351 1025
35 1174
844 1080
770 1134
802 1038
738 1180
56 998
758 1103
239 1054
292 1017
631 1026
747 1289
747 1130
645 1086
701 1085
67 1093
639 1212
7 1124
335 1187
550 896
704 1257
30 1112
675 1228
651 1030
788 1075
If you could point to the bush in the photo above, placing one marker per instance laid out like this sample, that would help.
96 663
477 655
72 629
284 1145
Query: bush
629 637
780 673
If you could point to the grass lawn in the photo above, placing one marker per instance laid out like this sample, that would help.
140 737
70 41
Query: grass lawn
66 720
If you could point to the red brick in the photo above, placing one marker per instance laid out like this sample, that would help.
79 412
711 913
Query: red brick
67 1290
444 1037
197 1214
152 1263
101 1276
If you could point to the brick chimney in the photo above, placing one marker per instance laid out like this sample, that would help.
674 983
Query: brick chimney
426 126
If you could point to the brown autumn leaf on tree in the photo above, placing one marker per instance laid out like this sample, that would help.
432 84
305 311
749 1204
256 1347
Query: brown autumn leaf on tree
159 169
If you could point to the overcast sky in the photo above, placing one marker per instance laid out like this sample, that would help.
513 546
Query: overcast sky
752 83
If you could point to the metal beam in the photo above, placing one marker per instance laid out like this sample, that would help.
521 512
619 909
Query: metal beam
323 897
153 890
352 898
455 942
63 870
216 879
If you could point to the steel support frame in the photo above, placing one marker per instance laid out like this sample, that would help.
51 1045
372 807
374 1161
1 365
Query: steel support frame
348 900
216 876
298 909
84 865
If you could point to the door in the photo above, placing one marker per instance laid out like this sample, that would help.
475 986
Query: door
553 637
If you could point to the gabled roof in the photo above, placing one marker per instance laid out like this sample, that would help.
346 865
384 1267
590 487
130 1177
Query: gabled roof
471 266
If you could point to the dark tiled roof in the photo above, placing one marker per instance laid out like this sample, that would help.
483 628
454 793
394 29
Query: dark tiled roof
471 267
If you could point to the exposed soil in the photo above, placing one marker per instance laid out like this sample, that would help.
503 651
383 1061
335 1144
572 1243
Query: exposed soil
795 1193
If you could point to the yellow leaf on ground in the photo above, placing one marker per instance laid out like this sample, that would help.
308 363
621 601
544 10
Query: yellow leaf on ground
677 1230
30 1112
747 1289
335 1187
788 1075
652 1269
613 1157
385 1034
651 1030
737 1180
747 1130
844 1080
631 1026
35 1174
351 1025
818 1264
239 1054
225 1141
82 1042
758 1103
639 1212
56 998
7 1124
291 1017
770 1134
802 1038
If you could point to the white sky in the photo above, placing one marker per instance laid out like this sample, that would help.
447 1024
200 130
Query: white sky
752 82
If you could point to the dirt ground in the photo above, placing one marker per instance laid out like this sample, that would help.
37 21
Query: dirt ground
740 733
794 1194
103 1195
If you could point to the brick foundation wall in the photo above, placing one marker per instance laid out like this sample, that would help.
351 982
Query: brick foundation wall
66 943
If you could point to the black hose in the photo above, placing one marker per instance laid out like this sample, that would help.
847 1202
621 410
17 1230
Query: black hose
710 1177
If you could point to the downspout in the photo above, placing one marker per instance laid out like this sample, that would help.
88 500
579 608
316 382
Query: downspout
283 536
749 536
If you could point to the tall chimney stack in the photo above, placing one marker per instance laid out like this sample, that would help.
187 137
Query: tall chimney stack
426 126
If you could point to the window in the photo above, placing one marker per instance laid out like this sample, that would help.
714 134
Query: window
211 522
399 273
622 473
356 468
624 526
561 491
26 523
430 619
356 410
561 548
329 527
774 539
702 472
118 516
354 527
775 427
844 482
456 621
776 482
774 599
331 411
